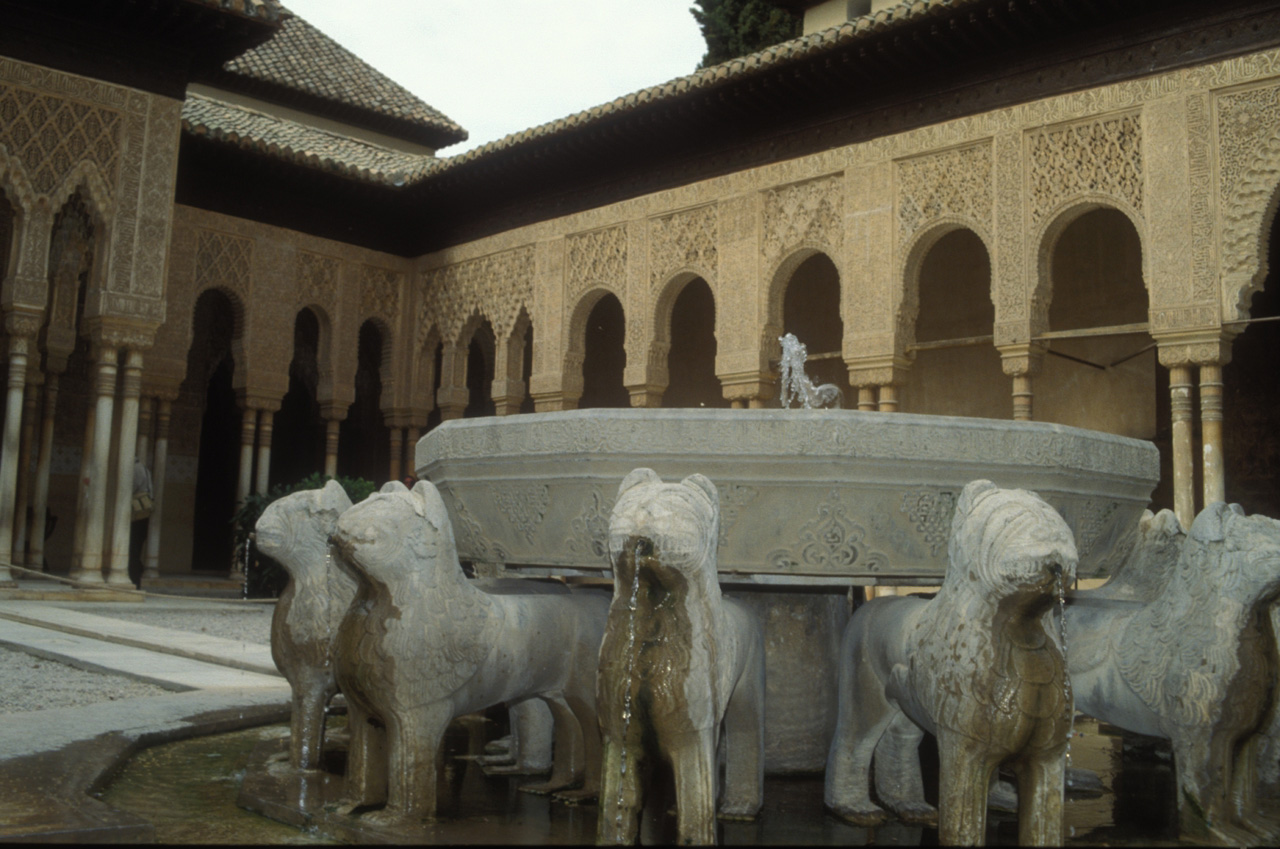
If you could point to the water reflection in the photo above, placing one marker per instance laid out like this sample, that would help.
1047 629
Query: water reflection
189 790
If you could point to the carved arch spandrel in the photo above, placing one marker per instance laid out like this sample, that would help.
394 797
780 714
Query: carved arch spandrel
1046 241
1248 136
775 293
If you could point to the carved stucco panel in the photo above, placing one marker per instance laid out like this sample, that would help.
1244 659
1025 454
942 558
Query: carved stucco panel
316 276
1248 172
951 184
1102 155
683 240
1166 244
1009 261
379 294
737 273
496 286
807 213
223 261
598 258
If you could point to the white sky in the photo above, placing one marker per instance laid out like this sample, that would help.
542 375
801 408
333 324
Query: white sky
500 66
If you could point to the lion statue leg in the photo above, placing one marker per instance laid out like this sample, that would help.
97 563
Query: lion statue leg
744 740
584 711
692 754
413 741
899 783
966 769
621 781
1244 790
566 754
366 776
306 721
863 714
1041 788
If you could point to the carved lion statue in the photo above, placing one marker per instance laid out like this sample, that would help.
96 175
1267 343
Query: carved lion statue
422 646
678 662
980 666
294 531
1179 645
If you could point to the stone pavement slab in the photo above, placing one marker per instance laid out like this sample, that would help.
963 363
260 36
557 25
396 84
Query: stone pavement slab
166 670
235 653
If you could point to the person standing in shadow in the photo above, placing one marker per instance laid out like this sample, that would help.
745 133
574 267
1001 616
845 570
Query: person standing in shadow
142 504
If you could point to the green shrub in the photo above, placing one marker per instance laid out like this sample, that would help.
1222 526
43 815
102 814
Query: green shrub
264 577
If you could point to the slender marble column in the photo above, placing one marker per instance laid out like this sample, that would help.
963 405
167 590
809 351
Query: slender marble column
146 407
397 450
9 450
82 494
265 421
1211 433
131 386
331 447
1184 496
44 463
1022 397
95 526
867 400
151 562
30 404
888 398
248 429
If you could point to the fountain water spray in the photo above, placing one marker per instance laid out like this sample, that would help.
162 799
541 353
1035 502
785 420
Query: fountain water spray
796 385
631 661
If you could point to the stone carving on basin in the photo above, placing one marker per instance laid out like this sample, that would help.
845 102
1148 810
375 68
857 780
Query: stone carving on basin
294 531
678 661
421 646
980 666
815 493
1178 644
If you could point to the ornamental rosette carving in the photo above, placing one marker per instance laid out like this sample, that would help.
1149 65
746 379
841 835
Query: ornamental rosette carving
1099 156
524 506
804 213
683 240
954 183
830 542
223 261
930 513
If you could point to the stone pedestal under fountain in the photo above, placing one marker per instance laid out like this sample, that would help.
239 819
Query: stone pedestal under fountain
812 502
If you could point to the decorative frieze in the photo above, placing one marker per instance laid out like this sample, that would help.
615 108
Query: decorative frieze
951 184
1099 156
683 240
225 262
802 214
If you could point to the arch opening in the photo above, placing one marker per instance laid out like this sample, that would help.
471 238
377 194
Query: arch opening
811 310
364 446
481 351
298 448
604 356
691 359
954 285
1106 383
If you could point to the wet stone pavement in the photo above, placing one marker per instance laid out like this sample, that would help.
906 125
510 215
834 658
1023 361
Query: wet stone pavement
189 792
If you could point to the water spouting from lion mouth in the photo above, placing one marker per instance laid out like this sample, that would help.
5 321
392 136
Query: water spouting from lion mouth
626 699
1060 586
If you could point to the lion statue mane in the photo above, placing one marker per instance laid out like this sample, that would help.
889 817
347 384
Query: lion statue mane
422 646
294 531
679 662
1179 644
980 666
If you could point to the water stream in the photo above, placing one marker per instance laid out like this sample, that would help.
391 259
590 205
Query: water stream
631 663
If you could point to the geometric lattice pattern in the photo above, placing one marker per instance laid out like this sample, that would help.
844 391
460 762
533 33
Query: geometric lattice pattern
51 135
1103 156
224 261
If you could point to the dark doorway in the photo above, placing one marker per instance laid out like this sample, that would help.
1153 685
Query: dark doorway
297 446
364 449
210 363
691 361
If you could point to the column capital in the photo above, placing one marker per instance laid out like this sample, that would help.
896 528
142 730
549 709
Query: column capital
23 321
333 411
1202 348
885 370
1021 359
250 400
114 332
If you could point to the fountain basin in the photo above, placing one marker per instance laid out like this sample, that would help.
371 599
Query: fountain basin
805 495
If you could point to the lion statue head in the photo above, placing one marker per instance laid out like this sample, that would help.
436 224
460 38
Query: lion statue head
294 530
398 534
665 527
1007 542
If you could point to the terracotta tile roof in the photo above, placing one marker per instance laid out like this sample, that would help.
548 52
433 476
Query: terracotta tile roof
764 61
299 144
302 66
266 10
